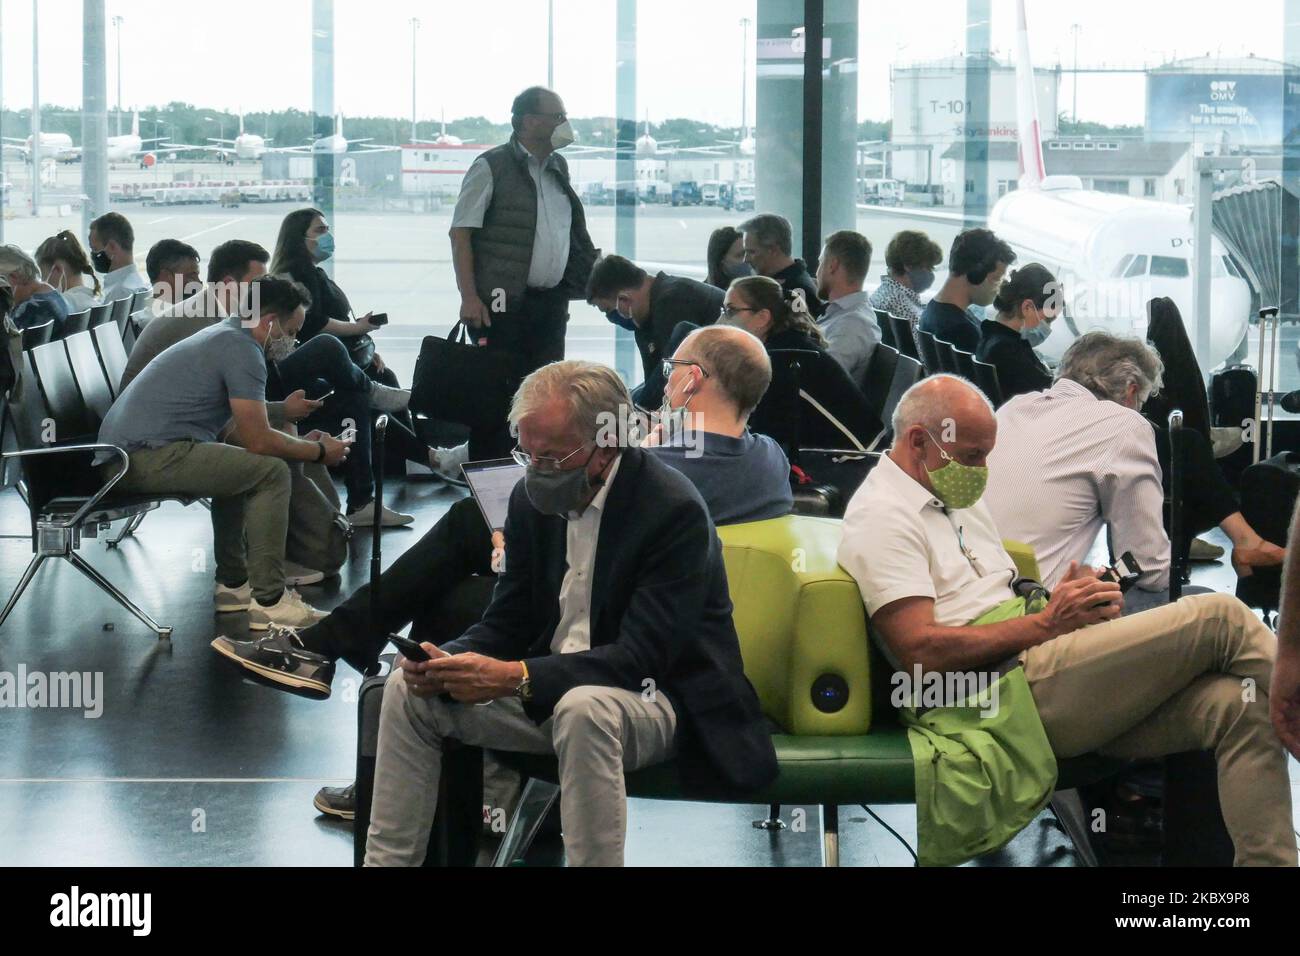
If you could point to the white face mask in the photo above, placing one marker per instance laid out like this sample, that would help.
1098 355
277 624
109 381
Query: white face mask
563 136
280 348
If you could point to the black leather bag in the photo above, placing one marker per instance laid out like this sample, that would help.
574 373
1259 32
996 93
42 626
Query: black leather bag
458 381
361 349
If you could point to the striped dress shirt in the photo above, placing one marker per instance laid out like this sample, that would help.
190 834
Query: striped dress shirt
1067 464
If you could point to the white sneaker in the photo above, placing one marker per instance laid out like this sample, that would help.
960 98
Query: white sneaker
290 611
232 600
385 398
446 462
296 575
365 518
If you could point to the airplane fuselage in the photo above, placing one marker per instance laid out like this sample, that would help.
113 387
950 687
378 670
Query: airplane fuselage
1113 254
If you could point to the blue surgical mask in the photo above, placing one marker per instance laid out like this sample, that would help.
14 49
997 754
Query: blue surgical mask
1037 335
324 247
737 270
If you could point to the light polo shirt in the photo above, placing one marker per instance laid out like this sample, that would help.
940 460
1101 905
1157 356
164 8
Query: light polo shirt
573 633
852 333
1067 464
899 541
122 282
554 215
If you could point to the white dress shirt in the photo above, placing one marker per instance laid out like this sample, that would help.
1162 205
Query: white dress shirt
899 541
1066 464
122 282
554 215
573 633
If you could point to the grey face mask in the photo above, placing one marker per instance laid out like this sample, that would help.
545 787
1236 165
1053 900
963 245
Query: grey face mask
279 349
1037 335
558 493
737 270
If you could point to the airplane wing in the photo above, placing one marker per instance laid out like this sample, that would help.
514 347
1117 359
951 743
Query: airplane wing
357 142
220 142
371 149
291 149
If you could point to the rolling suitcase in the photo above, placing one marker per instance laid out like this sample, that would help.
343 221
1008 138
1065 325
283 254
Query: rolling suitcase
1232 396
453 840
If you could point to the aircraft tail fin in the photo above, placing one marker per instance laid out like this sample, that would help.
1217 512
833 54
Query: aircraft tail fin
1029 132
135 122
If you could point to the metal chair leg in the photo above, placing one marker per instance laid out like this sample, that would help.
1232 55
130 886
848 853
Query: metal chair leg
830 835
32 566
78 562
773 821
128 530
1069 812
534 803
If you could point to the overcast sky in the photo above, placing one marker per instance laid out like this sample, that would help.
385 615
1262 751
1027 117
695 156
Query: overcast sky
473 57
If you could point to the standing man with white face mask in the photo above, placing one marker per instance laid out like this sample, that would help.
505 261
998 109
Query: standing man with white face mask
520 246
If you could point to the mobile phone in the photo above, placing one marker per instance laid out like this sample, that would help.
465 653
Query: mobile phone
409 648
1124 572
321 398
379 318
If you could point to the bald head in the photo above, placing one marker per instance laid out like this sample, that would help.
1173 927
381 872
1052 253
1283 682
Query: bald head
734 360
942 415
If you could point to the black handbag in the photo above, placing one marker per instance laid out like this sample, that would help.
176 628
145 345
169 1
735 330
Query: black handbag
361 348
458 381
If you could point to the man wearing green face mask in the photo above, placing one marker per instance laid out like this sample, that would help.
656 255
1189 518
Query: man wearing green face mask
937 584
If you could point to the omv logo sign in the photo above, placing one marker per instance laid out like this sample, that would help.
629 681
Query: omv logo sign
1223 89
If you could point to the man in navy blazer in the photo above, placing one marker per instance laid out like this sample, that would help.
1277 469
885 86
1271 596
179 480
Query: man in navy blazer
608 642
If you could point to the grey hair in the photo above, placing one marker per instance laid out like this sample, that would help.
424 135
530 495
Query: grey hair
923 404
13 259
598 399
1107 365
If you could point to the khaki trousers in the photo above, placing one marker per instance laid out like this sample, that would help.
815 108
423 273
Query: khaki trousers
250 504
596 732
1188 676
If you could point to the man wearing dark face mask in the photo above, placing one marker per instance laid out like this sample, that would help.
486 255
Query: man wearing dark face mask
602 598
911 258
112 246
976 265
651 306
520 247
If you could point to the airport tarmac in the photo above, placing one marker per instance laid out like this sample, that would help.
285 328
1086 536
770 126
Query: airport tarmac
399 262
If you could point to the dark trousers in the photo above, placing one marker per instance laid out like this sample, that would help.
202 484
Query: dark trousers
1207 497
458 546
534 330
325 359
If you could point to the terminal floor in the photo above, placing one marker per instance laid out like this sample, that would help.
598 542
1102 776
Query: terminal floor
190 764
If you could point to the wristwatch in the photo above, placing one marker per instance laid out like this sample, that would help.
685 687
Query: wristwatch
525 689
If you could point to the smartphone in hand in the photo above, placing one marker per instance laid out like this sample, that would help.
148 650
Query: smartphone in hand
411 650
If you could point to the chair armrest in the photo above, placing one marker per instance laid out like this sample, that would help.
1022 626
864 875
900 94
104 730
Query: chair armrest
80 449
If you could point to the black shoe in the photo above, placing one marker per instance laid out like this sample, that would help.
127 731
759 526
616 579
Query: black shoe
338 802
1290 402
279 658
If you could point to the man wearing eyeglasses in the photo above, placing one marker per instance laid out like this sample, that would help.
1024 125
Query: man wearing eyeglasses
936 581
609 640
520 248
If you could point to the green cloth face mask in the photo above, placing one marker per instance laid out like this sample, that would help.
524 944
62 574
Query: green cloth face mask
958 486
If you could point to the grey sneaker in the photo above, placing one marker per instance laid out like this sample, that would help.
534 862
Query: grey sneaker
365 518
280 659
232 600
338 802
385 398
296 575
290 611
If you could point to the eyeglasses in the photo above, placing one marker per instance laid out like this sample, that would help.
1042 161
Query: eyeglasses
669 363
541 462
731 311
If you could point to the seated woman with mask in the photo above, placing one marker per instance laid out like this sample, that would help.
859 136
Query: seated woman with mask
331 345
726 257
910 257
63 263
1029 300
